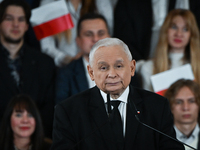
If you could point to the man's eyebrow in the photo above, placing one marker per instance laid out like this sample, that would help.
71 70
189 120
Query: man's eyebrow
120 60
88 31
7 15
102 63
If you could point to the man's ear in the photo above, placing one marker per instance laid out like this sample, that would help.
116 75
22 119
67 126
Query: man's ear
133 65
90 72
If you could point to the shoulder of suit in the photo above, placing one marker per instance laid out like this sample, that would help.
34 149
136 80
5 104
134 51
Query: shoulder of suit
82 97
37 55
148 95
73 65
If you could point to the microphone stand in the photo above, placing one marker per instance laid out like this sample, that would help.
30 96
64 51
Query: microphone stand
108 105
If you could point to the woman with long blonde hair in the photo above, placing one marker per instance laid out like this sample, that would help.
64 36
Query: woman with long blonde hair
179 44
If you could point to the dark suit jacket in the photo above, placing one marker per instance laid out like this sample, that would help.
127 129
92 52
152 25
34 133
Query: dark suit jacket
72 80
81 123
133 21
37 80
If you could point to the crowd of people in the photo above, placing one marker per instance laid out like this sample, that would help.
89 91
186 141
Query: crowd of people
57 93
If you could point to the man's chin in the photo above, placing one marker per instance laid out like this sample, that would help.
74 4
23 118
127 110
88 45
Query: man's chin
13 41
115 90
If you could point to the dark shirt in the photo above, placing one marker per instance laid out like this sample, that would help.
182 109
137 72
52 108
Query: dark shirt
14 64
31 73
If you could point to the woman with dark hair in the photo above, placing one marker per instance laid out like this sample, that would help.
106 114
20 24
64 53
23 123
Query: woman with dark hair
21 126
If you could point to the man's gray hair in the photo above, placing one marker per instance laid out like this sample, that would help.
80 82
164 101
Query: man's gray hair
109 42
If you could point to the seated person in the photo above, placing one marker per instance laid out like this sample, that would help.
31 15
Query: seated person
184 98
21 127
178 44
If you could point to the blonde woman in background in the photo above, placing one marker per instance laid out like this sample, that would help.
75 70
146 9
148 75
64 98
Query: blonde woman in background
179 44
63 47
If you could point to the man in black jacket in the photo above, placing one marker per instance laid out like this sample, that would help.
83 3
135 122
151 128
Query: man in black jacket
85 121
23 69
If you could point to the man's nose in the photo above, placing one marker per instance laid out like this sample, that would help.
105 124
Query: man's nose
186 106
15 22
112 73
96 38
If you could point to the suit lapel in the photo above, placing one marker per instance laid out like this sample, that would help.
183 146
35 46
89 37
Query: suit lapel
131 122
100 117
29 69
5 75
198 143
81 76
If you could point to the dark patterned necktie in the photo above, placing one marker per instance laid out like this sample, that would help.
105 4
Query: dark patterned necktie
116 123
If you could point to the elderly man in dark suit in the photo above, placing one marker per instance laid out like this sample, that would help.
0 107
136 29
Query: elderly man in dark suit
103 117
73 78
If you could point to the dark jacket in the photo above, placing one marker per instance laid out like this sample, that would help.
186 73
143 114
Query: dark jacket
81 123
37 80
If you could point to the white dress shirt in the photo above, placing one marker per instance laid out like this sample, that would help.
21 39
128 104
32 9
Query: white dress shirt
122 106
192 140
90 82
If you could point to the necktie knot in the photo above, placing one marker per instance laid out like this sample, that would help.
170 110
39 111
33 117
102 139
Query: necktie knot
115 103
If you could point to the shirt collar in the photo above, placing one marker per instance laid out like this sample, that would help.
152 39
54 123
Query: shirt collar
180 135
7 54
123 97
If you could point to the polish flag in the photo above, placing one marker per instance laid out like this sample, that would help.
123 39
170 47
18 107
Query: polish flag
51 19
162 81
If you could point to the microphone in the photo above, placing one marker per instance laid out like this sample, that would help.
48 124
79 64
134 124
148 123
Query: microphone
137 118
108 105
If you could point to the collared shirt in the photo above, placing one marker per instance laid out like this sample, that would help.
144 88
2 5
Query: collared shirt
90 82
122 107
192 140
15 65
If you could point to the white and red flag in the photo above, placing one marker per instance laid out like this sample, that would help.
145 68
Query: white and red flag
51 19
162 81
